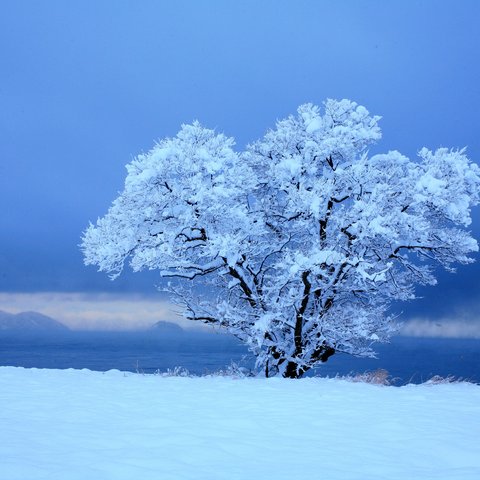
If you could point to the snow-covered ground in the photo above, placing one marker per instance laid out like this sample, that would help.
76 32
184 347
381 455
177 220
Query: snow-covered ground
78 424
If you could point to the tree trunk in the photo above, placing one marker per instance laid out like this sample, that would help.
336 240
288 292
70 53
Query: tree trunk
293 370
321 355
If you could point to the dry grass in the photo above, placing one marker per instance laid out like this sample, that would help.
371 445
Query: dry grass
375 377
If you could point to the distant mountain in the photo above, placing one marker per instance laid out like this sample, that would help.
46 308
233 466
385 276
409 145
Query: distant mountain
167 328
29 322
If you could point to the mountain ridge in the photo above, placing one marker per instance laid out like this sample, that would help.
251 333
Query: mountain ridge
30 322
166 328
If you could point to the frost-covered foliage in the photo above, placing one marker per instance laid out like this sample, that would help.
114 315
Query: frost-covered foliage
304 240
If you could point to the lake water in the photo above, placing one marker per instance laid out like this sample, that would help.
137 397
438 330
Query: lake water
408 360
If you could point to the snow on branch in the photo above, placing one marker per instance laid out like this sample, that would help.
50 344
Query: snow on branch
302 241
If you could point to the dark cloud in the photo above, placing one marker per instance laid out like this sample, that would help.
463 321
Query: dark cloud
87 85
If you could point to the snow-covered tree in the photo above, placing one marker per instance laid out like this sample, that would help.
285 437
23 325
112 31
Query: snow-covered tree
302 241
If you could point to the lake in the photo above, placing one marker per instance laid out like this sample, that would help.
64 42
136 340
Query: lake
407 359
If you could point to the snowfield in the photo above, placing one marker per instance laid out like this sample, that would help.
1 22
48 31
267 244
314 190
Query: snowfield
79 424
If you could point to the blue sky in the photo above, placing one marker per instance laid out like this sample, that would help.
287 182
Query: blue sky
85 86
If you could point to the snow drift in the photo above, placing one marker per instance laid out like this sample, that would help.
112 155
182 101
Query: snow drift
78 424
